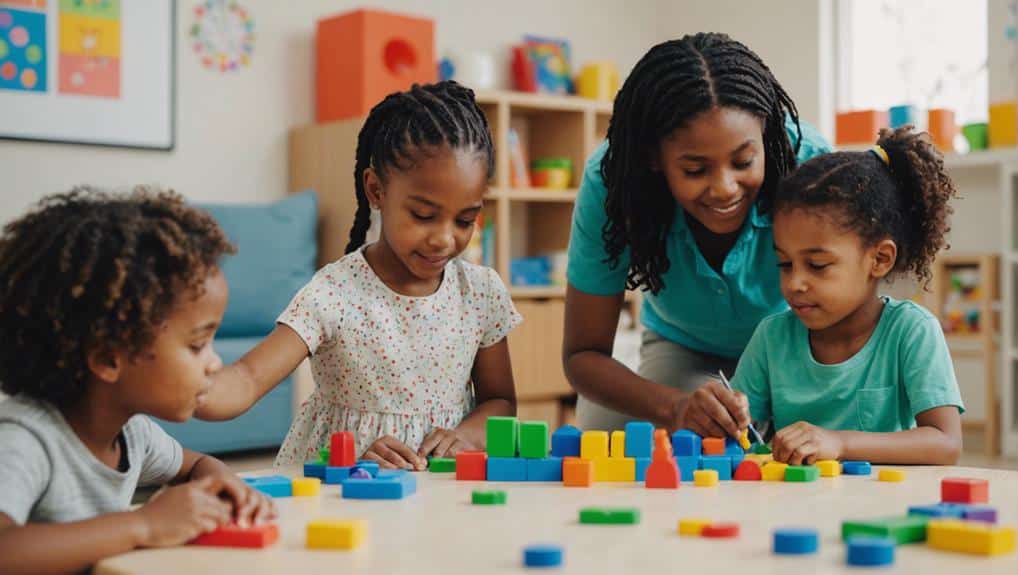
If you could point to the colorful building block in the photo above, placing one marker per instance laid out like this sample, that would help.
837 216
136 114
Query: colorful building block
686 443
748 471
610 516
502 435
542 556
471 466
306 487
507 469
565 442
381 487
534 439
869 551
315 469
488 497
761 449
795 541
332 534
642 463
369 466
336 475
801 473
773 471
231 535
1003 128
735 459
323 455
829 467
272 485
722 464
760 460
908 529
970 537
687 465
705 477
720 531
744 440
639 439
937 510
891 475
856 467
617 444
859 126
662 444
692 527
546 469
615 469
442 465
594 445
902 115
577 472
732 447
964 490
662 474
342 450
982 513
713 446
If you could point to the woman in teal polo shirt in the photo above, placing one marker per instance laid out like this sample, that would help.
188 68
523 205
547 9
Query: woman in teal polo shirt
675 204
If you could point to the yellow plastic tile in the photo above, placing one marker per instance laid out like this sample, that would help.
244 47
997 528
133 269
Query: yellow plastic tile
615 469
970 537
594 445
892 475
829 468
332 534
618 441
306 486
705 478
744 439
773 471
692 527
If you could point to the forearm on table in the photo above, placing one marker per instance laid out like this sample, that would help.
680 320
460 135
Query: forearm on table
604 380
41 548
923 445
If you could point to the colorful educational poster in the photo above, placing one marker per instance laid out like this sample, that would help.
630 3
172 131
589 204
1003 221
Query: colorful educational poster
23 45
90 48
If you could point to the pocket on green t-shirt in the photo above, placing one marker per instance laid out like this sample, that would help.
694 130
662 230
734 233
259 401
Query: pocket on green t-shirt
878 408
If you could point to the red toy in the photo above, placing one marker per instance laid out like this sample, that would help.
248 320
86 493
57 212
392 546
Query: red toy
721 530
964 490
748 471
341 450
231 535
471 466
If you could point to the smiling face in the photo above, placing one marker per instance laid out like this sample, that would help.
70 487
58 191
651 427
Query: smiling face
715 166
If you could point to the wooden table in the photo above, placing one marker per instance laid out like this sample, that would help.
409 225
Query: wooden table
437 530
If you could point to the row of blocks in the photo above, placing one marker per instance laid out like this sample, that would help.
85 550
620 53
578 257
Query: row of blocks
321 534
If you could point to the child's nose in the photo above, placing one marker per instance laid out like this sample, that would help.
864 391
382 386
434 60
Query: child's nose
215 364
441 238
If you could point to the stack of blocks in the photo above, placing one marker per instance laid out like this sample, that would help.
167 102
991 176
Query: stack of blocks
360 479
504 436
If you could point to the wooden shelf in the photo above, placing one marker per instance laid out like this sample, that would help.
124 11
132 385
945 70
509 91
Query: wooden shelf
543 102
538 195
537 292
977 159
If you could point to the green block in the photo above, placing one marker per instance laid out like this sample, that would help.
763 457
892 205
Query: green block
442 465
488 498
610 516
908 529
323 455
502 434
534 439
761 449
802 473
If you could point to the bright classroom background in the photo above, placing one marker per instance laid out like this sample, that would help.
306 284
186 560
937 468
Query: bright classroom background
232 104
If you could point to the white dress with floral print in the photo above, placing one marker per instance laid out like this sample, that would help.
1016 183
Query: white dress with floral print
386 363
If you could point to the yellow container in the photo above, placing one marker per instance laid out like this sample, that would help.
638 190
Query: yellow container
331 534
598 81
1004 124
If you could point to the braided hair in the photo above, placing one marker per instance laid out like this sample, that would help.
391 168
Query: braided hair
672 84
88 270
401 125
906 199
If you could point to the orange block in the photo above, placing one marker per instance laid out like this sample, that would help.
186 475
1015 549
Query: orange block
662 445
859 127
942 128
713 445
365 55
577 472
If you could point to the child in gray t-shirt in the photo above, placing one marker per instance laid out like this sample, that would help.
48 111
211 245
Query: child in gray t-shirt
108 307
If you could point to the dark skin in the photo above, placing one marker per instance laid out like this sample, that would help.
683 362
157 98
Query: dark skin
714 167
428 214
168 380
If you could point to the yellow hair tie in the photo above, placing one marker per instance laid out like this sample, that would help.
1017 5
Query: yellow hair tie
881 153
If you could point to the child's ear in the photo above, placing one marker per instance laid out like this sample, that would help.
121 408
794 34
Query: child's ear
104 364
885 254
373 188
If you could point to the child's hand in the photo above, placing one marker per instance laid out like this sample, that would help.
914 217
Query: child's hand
250 506
392 453
444 443
176 515
804 444
715 411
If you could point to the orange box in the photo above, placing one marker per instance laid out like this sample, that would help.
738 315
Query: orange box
713 445
577 472
859 127
365 55
942 128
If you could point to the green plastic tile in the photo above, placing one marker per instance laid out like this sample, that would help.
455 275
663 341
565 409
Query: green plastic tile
534 439
323 455
610 516
442 465
488 498
502 435
802 473
907 529
761 449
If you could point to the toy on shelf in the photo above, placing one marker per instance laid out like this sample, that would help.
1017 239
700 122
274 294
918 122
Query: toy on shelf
519 176
1003 125
542 65
552 173
942 128
963 300
905 115
977 135
598 81
859 127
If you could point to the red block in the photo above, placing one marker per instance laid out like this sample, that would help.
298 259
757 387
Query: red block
341 450
233 536
662 474
713 445
721 530
964 490
471 466
748 471
662 445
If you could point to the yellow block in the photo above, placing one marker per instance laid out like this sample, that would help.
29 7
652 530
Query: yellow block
692 527
744 439
618 444
306 486
94 37
892 475
969 537
760 459
615 469
333 534
773 471
705 478
593 444
829 468
1003 130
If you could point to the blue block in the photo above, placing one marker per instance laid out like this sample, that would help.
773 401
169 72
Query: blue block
391 473
732 447
272 485
736 460
369 466
639 439
720 463
507 469
546 469
642 463
855 468
391 487
565 442
796 541
898 116
686 443
870 551
335 475
936 510
314 469
542 556
687 465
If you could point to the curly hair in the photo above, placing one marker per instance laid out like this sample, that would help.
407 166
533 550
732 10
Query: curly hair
88 270
671 85
906 199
